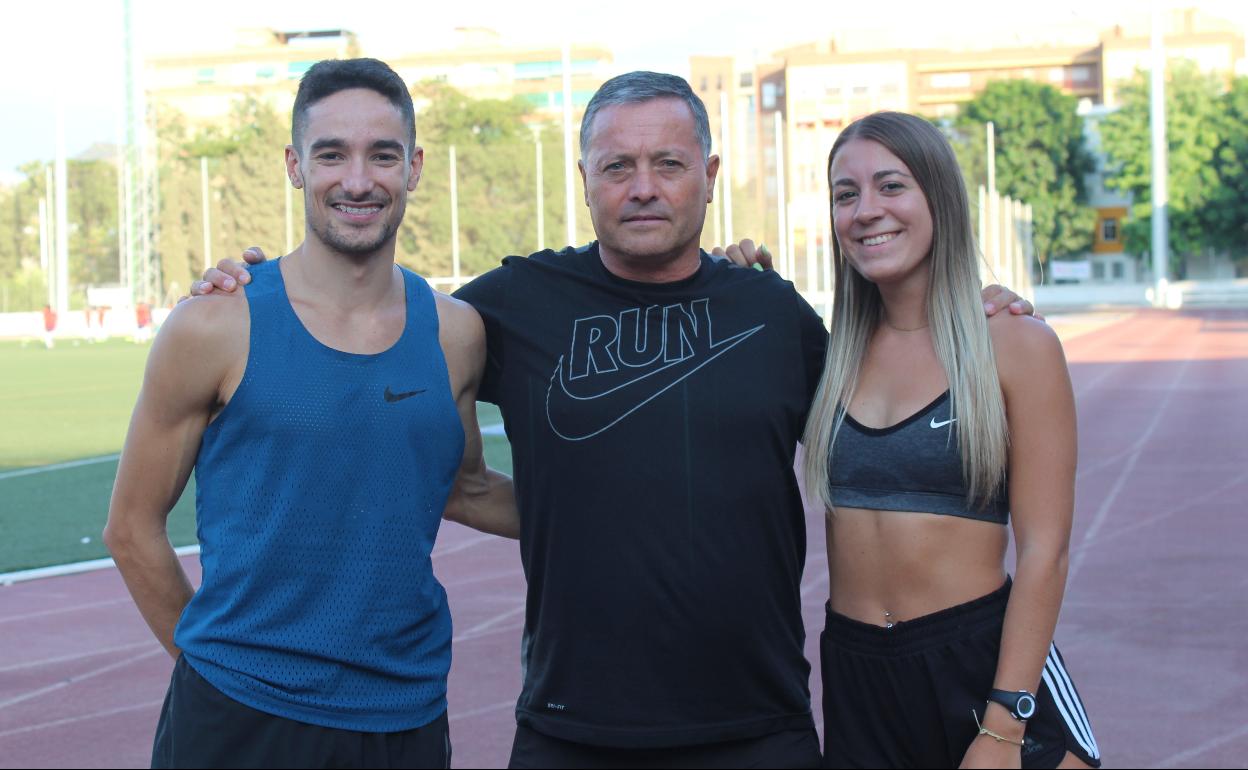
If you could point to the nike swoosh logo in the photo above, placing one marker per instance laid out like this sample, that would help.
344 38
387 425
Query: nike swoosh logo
393 397
935 424
580 419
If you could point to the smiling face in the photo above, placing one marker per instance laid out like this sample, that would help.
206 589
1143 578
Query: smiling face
880 214
355 171
647 185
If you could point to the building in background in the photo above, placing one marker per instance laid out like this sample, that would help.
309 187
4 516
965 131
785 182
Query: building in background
267 64
822 86
481 64
264 63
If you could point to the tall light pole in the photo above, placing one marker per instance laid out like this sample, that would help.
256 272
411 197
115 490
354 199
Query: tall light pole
454 220
541 195
62 214
725 155
1160 195
203 195
568 162
782 220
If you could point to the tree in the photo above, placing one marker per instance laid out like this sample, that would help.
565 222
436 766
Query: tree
1194 134
1228 214
91 203
496 183
1041 158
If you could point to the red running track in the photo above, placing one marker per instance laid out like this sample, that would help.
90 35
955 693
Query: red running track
1152 630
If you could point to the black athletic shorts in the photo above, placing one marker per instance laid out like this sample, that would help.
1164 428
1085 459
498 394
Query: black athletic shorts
903 696
788 748
201 727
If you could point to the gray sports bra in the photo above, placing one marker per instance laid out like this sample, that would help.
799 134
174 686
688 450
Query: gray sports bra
914 465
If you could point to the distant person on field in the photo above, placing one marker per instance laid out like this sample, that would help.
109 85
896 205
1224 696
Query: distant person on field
49 326
143 322
328 413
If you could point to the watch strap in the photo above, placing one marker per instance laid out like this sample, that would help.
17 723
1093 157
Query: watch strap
1020 704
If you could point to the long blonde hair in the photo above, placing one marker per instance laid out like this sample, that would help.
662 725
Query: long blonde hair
955 315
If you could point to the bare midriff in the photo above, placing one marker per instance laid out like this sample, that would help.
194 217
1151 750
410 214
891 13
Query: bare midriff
892 566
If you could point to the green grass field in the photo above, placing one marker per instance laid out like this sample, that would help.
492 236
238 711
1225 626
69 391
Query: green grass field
72 405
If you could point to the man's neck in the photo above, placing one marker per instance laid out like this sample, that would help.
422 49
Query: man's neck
652 269
346 281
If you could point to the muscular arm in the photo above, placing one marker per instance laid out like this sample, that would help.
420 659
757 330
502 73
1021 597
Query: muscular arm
188 372
482 497
1040 406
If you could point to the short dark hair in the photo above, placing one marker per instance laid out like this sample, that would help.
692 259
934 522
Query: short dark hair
328 77
642 86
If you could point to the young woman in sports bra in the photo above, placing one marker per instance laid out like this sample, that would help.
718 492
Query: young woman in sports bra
933 430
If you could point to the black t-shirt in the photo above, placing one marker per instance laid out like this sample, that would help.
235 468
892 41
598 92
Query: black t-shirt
653 428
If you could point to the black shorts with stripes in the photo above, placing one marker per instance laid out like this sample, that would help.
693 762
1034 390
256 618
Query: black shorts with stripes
903 696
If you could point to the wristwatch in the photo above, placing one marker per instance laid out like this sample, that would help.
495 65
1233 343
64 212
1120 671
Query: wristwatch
1021 704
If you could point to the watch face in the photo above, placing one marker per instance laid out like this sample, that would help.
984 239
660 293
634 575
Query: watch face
1026 706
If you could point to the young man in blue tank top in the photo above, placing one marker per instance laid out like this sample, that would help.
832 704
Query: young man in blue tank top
654 398
329 415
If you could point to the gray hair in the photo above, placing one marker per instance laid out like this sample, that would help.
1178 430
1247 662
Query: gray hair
641 86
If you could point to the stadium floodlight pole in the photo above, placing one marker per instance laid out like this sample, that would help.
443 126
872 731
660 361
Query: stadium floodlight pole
121 206
992 243
62 211
541 195
812 246
203 194
454 220
43 235
782 226
725 155
568 181
1157 119
990 130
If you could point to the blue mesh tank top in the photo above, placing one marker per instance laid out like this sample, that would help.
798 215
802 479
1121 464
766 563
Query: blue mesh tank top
321 486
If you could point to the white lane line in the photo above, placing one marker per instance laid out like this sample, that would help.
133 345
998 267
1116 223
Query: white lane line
465 545
58 467
489 632
80 678
488 624
76 656
59 570
82 718
1146 522
1185 756
62 610
814 577
1137 450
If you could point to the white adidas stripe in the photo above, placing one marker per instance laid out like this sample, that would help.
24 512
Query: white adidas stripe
1074 699
1075 729
1068 703
1064 693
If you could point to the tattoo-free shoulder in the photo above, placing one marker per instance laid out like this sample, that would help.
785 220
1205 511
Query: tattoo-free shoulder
1024 346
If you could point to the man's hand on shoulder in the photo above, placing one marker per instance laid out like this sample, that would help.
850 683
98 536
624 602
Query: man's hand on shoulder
745 254
996 298
228 274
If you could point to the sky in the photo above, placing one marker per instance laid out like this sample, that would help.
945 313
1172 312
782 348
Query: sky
73 48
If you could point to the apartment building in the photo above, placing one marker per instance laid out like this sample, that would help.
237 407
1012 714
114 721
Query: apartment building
817 89
268 64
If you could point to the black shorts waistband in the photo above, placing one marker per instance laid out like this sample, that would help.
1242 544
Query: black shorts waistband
921 633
